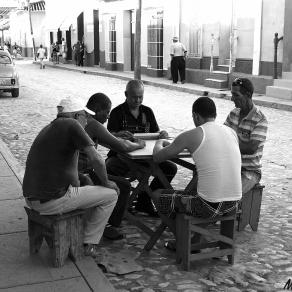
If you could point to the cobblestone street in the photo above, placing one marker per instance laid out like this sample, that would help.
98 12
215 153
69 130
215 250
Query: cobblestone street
263 259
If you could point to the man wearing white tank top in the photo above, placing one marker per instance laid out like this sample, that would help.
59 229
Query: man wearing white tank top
215 151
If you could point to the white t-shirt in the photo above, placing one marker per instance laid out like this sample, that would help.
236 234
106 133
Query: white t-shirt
177 49
218 163
41 53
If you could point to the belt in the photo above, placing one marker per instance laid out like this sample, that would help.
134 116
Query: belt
41 201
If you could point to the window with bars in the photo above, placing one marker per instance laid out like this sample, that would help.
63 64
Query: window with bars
194 41
112 40
155 40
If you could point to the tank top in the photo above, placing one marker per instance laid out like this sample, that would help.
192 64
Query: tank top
218 163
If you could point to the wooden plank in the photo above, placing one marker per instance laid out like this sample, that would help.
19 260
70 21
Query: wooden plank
93 275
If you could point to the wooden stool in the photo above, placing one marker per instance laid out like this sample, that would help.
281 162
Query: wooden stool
224 242
63 234
249 208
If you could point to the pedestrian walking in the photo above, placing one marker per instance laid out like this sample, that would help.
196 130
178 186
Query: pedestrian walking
82 52
41 54
64 49
76 51
178 54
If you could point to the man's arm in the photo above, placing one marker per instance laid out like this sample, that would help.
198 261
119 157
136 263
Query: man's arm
99 168
257 136
249 147
107 139
190 140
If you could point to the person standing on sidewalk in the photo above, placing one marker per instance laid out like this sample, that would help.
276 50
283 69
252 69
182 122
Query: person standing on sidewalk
178 55
251 127
51 184
41 54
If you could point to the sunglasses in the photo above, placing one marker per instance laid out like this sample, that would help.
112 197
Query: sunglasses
240 82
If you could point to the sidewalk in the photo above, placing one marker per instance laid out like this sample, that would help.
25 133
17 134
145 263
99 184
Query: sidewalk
20 272
196 89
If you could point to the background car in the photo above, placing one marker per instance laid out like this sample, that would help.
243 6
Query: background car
9 79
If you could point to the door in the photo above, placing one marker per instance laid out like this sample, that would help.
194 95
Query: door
59 36
80 27
69 46
133 28
96 36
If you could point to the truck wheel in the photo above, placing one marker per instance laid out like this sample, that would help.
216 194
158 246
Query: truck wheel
15 92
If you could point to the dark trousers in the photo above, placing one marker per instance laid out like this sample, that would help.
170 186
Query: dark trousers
117 167
125 188
178 64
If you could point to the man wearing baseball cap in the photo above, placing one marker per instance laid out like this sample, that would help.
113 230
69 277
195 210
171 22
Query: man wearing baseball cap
251 127
51 184
178 55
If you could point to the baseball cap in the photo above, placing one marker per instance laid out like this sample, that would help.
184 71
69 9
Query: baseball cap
70 105
175 38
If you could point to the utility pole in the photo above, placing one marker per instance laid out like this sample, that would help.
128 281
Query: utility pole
31 30
137 51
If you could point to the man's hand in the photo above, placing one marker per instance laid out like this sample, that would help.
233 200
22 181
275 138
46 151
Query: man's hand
140 142
124 134
159 145
163 135
112 185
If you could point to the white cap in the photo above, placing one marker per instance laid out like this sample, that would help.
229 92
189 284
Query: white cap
70 105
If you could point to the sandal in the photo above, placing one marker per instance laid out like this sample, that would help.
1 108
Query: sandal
170 245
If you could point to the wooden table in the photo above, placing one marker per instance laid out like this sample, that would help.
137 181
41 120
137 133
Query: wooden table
142 166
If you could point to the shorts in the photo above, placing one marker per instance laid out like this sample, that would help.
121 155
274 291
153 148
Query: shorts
172 201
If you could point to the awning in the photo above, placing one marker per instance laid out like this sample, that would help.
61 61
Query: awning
70 19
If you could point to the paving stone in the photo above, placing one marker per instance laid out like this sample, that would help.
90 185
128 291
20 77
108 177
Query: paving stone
10 188
73 285
19 268
15 221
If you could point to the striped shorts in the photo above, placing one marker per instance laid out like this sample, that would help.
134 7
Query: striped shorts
172 201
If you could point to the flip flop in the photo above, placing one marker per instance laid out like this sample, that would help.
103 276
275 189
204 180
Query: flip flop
170 245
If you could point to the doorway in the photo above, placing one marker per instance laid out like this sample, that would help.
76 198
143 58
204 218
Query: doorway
80 27
69 46
133 29
96 36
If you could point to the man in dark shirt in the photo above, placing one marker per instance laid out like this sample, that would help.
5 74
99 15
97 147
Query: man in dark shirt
132 117
101 105
51 184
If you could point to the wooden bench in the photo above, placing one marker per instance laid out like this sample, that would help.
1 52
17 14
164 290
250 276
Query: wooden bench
222 242
249 208
63 234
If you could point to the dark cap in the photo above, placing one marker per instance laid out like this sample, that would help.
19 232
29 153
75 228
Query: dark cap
244 84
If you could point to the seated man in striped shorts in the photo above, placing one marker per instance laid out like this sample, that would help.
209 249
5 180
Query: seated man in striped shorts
215 151
250 125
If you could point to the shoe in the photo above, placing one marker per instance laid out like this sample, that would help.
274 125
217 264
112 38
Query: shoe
150 211
171 245
183 82
112 233
174 82
91 250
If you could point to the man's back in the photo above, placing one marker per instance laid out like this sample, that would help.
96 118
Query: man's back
52 160
218 164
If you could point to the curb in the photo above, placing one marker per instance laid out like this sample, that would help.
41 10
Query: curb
11 161
280 105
